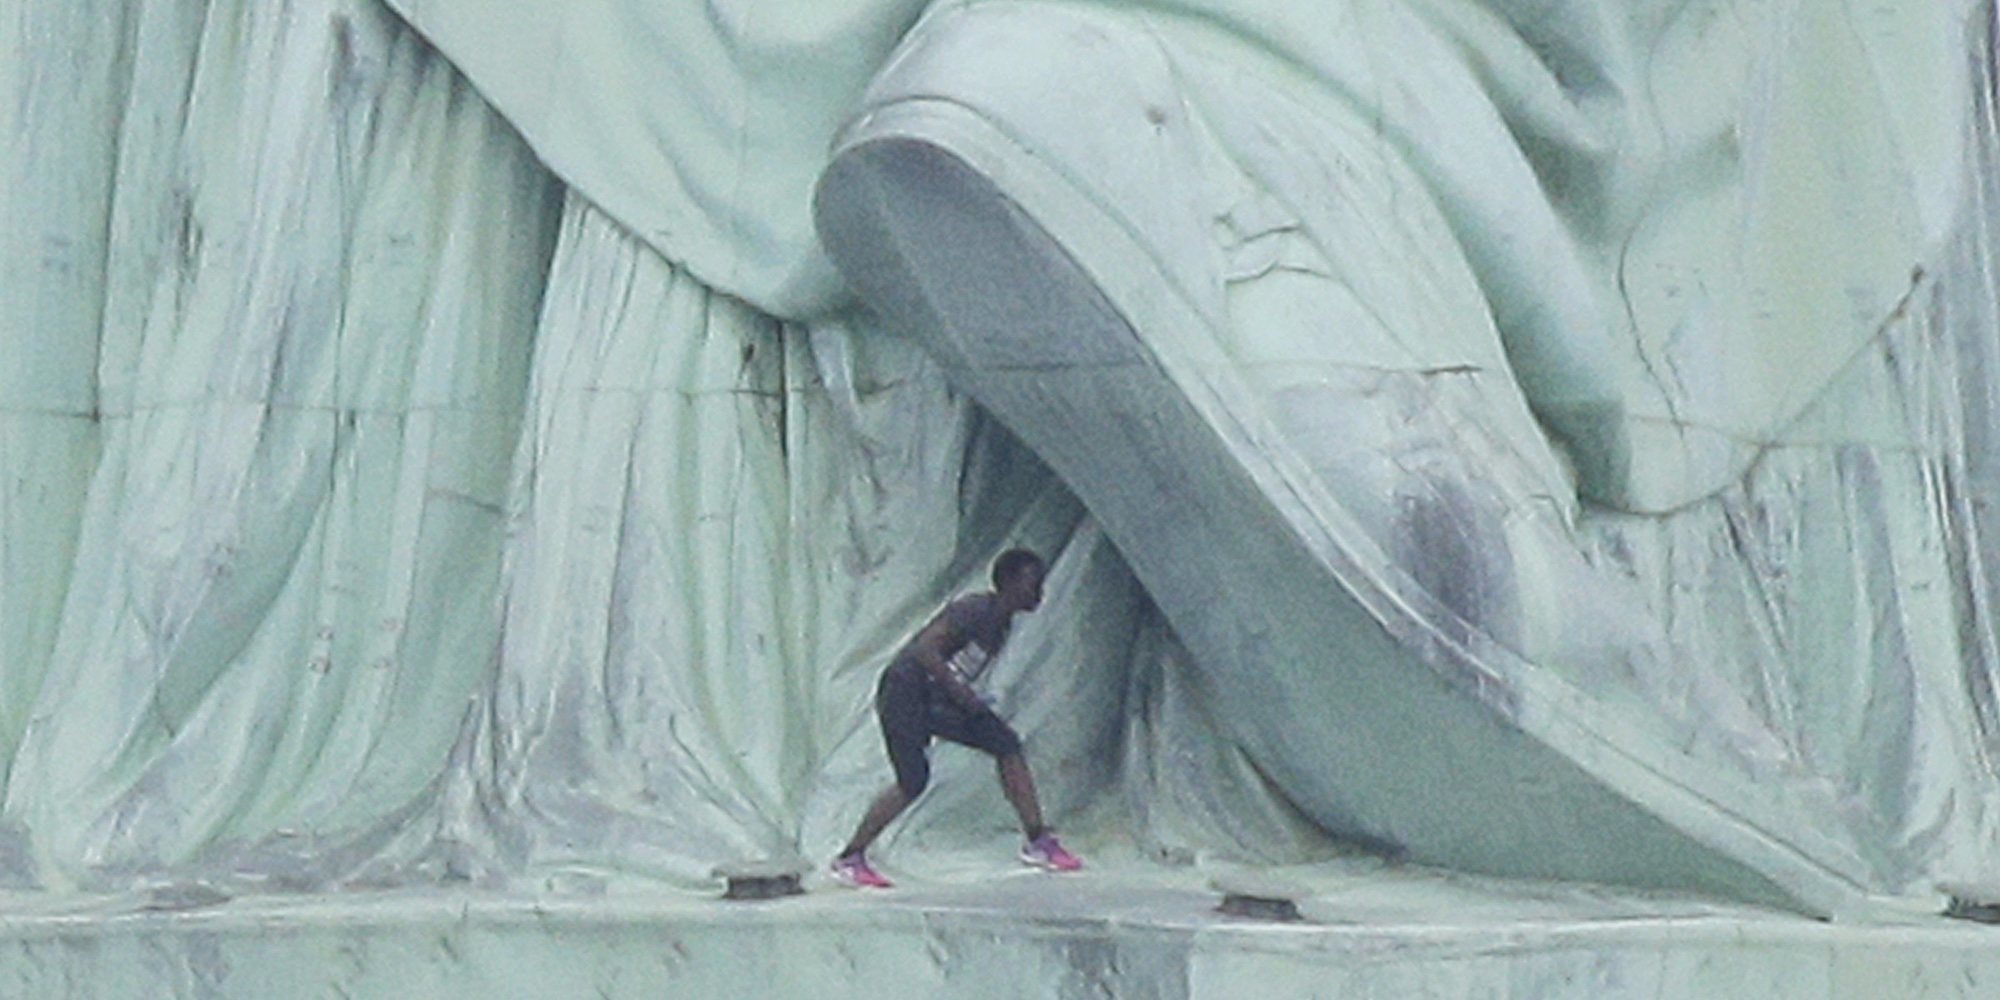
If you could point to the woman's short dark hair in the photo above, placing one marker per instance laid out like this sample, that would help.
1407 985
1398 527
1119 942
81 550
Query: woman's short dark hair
1012 563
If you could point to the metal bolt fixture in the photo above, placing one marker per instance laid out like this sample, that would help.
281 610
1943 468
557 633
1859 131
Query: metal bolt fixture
1259 896
1259 908
770 878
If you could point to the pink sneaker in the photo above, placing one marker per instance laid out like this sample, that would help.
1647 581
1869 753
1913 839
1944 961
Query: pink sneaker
852 870
1046 852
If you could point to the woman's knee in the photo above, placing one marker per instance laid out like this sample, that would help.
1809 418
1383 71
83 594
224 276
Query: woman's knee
913 774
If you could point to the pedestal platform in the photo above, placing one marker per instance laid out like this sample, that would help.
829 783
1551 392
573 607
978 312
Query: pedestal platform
978 929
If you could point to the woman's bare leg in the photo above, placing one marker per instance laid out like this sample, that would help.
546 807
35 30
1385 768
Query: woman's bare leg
886 807
1019 784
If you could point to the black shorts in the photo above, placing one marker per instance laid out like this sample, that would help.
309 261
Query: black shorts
913 709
